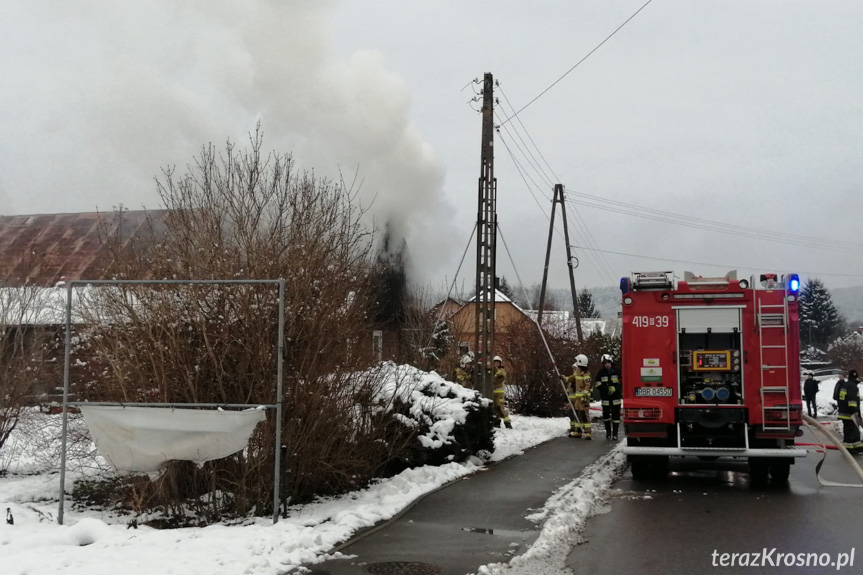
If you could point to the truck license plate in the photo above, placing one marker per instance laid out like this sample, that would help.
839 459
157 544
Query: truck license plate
653 392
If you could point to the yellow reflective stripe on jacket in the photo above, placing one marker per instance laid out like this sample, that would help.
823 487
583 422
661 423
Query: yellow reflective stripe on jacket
499 390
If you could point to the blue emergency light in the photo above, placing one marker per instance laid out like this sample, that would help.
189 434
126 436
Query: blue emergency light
793 283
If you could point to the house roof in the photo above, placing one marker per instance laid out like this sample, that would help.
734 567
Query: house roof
562 323
500 297
44 249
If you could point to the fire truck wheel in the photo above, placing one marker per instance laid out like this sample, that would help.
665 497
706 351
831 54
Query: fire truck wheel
758 471
649 468
779 473
640 467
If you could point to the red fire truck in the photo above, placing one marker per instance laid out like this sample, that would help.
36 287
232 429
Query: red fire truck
710 369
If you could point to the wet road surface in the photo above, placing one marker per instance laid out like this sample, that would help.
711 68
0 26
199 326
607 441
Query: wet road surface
686 523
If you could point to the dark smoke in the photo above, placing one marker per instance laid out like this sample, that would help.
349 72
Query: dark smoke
391 280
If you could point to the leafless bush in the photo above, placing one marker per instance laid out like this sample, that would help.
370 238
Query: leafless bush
24 353
246 215
536 388
426 338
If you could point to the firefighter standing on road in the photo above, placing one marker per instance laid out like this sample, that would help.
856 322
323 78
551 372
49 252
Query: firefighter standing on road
464 372
579 396
810 390
847 395
610 392
499 374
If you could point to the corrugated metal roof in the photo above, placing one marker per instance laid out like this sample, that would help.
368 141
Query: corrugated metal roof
44 249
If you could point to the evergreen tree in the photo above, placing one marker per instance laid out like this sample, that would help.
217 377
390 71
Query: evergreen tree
585 305
504 288
820 322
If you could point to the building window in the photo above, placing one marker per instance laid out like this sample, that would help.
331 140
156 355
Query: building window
377 344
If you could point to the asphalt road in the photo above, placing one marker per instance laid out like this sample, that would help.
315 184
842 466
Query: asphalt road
472 522
686 523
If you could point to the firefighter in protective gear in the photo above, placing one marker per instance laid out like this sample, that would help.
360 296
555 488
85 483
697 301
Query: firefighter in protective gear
499 374
578 388
847 396
464 372
611 393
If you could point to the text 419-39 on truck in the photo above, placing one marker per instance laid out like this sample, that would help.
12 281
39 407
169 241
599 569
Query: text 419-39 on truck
709 367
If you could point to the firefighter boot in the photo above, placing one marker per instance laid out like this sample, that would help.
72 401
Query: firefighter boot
574 432
608 433
615 425
587 434
508 424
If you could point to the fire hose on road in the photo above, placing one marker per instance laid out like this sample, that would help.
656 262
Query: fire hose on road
814 425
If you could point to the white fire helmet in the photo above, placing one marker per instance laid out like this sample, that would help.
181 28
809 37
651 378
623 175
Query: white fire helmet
580 360
607 357
497 358
466 360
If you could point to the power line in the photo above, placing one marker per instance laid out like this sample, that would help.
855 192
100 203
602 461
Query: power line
598 46
726 266
598 259
583 232
711 225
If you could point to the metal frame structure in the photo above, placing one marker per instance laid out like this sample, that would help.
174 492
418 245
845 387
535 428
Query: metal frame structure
279 376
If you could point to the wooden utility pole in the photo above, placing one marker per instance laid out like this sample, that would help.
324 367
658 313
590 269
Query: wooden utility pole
558 197
486 237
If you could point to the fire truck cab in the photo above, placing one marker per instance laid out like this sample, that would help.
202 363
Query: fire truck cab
710 370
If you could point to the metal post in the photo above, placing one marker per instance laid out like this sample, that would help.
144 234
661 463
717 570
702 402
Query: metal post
485 244
575 309
547 257
65 427
277 472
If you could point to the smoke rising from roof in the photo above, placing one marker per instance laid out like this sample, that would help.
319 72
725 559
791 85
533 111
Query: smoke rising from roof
112 92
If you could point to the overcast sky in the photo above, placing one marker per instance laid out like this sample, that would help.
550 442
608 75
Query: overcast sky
737 115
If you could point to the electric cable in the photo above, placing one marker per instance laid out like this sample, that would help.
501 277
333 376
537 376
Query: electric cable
538 327
598 46
530 189
726 266
584 233
452 285
653 214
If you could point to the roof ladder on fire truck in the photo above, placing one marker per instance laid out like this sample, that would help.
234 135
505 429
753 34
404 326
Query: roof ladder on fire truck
770 319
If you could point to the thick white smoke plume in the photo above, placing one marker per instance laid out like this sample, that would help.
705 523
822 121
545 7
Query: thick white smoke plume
98 96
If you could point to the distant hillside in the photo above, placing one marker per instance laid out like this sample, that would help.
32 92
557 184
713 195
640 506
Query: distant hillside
606 300
849 302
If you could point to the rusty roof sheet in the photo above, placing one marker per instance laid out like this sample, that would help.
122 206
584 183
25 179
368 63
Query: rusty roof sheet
45 249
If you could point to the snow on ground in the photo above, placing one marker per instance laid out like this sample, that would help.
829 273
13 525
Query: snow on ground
565 514
824 401
95 543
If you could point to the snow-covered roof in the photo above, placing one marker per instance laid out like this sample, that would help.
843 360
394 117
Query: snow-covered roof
500 297
562 323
